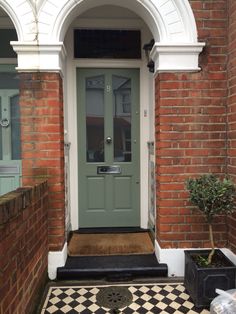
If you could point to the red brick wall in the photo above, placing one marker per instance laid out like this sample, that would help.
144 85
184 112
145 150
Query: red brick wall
232 112
23 248
41 103
191 132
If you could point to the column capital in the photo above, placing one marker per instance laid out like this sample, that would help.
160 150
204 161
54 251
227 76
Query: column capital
44 57
176 57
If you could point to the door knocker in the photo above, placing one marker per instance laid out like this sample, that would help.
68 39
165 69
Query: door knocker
4 123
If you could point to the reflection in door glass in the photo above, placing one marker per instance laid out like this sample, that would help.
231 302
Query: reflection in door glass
95 118
122 118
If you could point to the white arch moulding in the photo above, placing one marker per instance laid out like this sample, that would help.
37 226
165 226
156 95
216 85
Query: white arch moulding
171 22
168 20
22 16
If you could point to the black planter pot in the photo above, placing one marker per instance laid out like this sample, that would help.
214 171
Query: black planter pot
201 282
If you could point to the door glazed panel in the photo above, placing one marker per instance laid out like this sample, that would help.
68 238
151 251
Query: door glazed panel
95 118
122 118
108 140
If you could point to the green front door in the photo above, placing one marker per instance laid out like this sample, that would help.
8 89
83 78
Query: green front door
10 147
108 141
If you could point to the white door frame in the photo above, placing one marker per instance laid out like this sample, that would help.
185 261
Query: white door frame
146 119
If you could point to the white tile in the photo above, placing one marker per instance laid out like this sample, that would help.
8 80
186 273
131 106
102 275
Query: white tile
134 306
52 309
68 300
66 308
54 300
161 305
171 296
82 291
93 307
70 291
148 306
81 299
56 292
188 304
146 297
175 305
80 308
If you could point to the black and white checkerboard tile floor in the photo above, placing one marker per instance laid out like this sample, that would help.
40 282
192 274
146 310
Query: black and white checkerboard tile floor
147 299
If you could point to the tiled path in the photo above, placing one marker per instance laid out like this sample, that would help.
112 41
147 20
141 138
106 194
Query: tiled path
164 298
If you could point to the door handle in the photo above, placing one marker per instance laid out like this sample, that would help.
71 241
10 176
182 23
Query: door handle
108 140
4 123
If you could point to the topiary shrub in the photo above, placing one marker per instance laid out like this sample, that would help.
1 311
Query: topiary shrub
212 196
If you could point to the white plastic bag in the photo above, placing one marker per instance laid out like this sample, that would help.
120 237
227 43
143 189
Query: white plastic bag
225 303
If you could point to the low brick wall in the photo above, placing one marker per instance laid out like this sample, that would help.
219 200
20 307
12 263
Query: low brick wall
23 248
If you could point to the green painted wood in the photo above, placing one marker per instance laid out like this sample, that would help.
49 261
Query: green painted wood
108 200
95 191
10 162
10 175
8 68
122 193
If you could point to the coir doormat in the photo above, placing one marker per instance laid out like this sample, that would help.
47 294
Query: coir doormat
110 244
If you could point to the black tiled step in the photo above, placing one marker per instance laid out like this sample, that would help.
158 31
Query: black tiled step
109 267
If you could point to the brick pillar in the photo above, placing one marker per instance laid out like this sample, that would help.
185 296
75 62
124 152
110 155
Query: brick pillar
232 113
191 134
190 141
41 103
